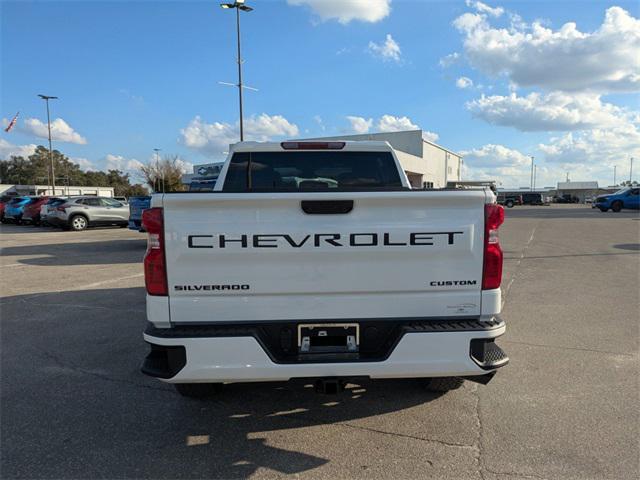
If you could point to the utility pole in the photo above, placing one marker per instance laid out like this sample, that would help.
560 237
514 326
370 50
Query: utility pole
160 185
239 5
52 174
531 182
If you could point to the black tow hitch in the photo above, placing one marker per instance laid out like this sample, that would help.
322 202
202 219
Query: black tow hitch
330 386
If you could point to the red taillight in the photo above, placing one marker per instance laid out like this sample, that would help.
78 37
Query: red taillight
155 271
492 265
312 145
61 208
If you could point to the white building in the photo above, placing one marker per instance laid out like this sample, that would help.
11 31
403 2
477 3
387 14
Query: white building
61 190
425 163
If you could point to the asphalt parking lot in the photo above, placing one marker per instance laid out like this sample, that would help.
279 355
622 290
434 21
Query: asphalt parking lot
74 405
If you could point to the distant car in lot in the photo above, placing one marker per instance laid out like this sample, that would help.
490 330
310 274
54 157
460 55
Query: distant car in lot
14 210
136 206
509 200
628 197
566 198
4 200
534 199
48 209
79 213
31 212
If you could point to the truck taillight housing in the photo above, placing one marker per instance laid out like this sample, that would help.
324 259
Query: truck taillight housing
492 264
155 269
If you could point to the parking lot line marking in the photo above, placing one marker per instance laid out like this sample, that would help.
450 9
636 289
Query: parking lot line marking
13 265
104 282
516 268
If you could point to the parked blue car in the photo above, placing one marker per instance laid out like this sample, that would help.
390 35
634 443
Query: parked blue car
15 208
628 197
136 206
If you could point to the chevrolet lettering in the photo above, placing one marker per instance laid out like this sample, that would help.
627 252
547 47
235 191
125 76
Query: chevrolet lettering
279 240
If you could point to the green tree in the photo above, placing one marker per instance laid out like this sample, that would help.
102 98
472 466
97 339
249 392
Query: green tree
35 170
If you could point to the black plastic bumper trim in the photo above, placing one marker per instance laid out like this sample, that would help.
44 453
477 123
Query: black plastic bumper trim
379 337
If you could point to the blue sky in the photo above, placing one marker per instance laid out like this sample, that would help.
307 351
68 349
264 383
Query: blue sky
487 79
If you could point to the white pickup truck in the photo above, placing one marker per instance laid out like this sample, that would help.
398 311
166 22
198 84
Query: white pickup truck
316 260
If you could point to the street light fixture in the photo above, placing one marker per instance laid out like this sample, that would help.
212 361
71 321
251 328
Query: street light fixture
238 5
46 98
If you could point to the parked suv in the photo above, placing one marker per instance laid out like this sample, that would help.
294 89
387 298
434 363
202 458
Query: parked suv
31 212
78 213
14 209
509 200
48 209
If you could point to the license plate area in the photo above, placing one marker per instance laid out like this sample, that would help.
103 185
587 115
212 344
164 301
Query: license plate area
328 338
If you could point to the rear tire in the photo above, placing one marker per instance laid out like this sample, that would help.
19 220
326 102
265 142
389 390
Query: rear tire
603 209
78 223
444 384
509 204
616 206
198 390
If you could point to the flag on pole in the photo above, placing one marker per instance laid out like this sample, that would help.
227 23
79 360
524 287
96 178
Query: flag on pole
12 123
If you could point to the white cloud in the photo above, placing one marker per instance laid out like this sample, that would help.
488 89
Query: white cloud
594 147
496 162
387 51
217 136
484 8
118 162
430 136
605 60
84 163
61 131
494 156
449 60
464 82
360 124
8 150
389 123
344 11
555 111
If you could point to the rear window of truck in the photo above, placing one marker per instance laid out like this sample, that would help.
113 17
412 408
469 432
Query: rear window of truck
304 171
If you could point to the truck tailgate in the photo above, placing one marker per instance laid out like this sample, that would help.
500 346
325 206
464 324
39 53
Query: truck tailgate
259 257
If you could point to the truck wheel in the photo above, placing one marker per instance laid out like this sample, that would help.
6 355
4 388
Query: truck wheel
198 390
509 204
444 384
78 223
616 206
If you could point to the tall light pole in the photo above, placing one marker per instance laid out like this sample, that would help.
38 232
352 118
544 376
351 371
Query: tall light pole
614 174
46 98
531 183
157 150
630 169
239 5
535 174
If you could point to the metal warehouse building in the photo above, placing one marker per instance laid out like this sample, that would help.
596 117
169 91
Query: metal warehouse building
425 163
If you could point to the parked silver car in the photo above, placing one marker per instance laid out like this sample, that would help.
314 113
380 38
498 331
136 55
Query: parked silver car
78 213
